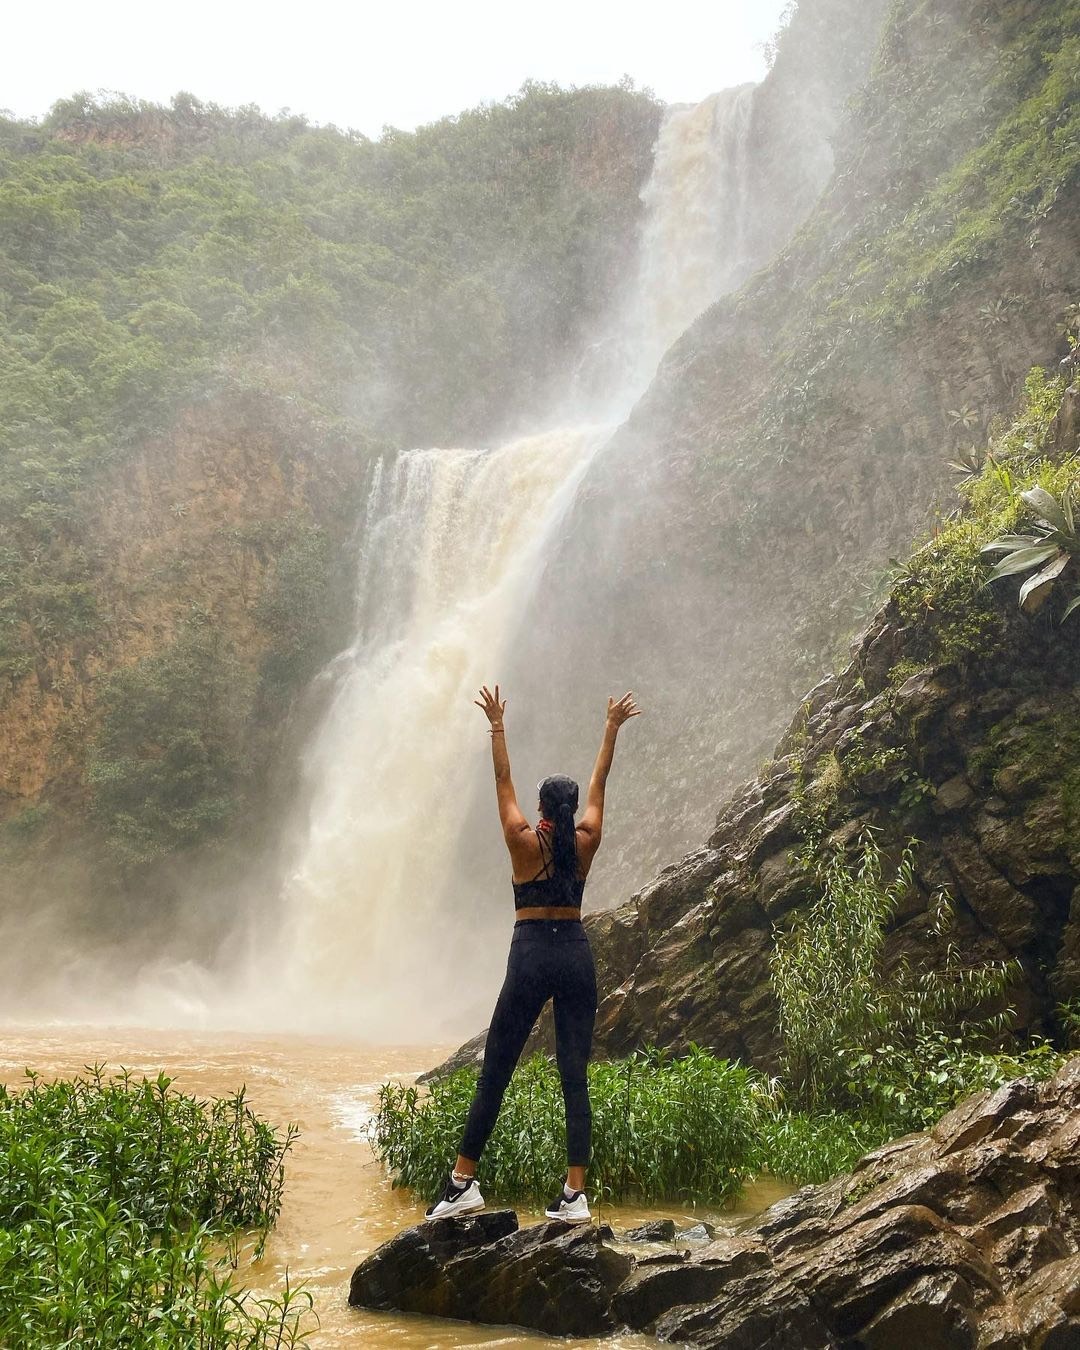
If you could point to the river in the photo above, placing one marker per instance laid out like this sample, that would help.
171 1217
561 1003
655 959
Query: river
339 1204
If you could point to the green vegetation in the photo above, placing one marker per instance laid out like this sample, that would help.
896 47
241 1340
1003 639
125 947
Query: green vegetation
977 144
807 1148
992 164
120 1212
153 254
1010 179
1017 754
662 1128
892 1045
299 608
182 735
1051 546
942 590
165 768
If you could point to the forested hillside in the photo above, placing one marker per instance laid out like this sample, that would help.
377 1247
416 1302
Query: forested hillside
209 320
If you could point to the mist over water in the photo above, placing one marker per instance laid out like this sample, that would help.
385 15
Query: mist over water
379 924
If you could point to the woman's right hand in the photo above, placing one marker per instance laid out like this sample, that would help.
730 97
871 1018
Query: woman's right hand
621 711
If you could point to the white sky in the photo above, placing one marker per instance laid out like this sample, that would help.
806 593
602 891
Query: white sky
366 65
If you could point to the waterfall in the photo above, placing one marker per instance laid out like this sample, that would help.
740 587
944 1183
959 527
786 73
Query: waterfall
694 238
451 537
453 540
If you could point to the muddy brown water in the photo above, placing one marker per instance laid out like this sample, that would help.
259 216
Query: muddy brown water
339 1204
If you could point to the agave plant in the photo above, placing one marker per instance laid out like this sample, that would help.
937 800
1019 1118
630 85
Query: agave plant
1051 547
968 463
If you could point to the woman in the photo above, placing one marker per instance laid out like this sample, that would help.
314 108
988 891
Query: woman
550 957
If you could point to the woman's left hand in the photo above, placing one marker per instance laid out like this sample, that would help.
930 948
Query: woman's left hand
492 708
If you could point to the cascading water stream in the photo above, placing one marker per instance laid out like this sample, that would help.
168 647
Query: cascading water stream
450 539
693 247
452 542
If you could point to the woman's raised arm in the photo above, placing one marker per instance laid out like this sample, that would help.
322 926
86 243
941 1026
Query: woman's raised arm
513 821
592 818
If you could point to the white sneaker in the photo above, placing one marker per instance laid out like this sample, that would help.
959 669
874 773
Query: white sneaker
456 1200
572 1210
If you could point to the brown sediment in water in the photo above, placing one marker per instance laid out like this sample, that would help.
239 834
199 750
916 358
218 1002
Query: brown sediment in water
339 1204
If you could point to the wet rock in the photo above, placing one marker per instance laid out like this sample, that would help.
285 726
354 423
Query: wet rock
782 882
881 650
924 694
755 1311
966 1236
656 1230
649 1291
935 1313
1065 432
1014 917
409 1272
953 795
553 1277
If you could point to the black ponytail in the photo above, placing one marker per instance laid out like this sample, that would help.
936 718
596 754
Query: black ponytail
558 801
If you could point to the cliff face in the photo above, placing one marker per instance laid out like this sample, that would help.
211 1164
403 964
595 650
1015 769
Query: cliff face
954 724
186 524
796 437
822 57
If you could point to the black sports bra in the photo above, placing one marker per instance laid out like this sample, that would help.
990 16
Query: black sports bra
547 889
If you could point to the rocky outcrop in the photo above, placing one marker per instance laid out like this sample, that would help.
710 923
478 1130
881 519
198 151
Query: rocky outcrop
552 1277
966 1236
977 757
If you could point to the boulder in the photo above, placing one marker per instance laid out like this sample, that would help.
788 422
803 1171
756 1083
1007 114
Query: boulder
554 1277
965 1236
655 1230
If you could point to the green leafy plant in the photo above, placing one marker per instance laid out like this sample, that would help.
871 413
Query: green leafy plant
969 463
122 1206
964 418
1051 546
1068 1015
853 1027
663 1128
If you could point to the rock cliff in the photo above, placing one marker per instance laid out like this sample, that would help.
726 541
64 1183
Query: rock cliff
796 437
954 723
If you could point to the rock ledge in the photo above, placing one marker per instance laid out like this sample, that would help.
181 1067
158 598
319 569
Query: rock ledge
963 1238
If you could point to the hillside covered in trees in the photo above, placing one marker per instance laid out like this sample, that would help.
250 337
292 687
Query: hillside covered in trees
210 321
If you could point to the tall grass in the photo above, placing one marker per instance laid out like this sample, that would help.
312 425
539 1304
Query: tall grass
121 1205
663 1128
802 1148
891 1043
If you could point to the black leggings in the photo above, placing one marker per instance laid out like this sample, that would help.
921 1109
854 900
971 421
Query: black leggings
547 960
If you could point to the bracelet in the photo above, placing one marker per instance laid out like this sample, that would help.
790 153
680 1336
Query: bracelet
495 731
